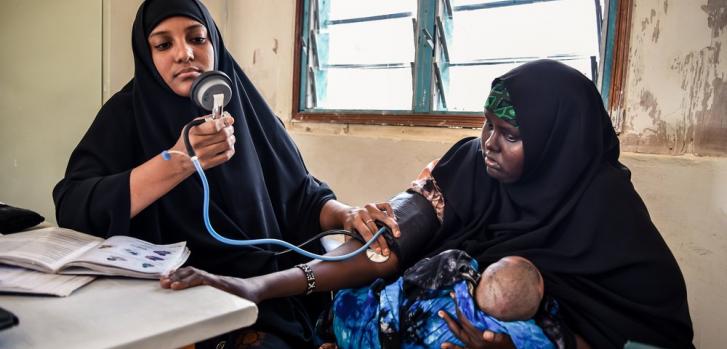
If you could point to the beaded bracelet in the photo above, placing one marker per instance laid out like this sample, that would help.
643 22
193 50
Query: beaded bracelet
309 276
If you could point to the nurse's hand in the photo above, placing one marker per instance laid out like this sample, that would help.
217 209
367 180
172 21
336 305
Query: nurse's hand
363 220
213 141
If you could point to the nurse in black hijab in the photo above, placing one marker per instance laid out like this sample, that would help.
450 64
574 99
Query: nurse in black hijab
542 182
117 183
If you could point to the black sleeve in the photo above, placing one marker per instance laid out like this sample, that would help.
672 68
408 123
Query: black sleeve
304 209
550 320
94 195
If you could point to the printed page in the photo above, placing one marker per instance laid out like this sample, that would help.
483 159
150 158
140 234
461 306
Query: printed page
21 280
45 249
124 253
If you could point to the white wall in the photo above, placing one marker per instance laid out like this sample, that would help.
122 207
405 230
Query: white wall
50 90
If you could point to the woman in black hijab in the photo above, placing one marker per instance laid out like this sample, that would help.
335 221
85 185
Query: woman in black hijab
542 182
117 183
573 212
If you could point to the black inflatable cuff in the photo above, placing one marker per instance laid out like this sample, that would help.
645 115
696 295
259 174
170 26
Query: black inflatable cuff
418 223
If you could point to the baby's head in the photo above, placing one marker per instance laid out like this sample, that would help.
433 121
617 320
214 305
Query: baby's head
510 289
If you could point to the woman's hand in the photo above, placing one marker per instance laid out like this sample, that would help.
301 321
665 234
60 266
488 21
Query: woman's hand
190 277
471 336
363 220
213 141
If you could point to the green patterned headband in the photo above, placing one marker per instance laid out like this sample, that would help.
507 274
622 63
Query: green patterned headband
498 102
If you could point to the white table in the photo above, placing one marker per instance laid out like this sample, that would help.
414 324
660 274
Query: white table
124 313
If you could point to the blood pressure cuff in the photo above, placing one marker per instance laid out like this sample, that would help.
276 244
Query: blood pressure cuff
417 222
15 219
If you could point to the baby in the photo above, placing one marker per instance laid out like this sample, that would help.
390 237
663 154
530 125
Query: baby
510 289
406 313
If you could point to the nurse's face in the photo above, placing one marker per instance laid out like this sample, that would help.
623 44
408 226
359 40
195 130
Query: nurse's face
502 149
181 51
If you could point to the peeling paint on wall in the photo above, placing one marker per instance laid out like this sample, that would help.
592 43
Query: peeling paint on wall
676 94
647 22
711 131
703 82
717 15
656 134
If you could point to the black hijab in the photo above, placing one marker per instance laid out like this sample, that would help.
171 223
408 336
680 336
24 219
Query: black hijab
574 213
264 191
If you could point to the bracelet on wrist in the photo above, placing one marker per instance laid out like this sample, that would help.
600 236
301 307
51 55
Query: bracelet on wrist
309 276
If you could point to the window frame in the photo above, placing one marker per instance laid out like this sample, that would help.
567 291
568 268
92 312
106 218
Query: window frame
613 52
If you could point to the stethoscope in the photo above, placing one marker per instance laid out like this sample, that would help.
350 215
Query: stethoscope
212 91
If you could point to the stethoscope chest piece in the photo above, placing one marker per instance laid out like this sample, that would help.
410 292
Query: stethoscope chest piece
376 257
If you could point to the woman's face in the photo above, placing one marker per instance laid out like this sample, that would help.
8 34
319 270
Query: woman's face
181 51
502 149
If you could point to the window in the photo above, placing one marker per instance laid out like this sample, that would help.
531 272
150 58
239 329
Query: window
429 62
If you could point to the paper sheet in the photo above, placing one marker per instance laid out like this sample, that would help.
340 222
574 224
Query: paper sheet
21 280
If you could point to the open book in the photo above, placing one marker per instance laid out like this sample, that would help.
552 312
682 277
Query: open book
64 251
